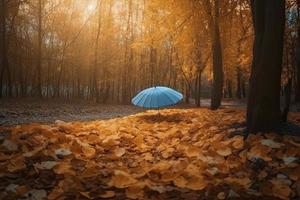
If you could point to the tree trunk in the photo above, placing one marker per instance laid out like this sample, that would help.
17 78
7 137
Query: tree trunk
217 87
198 89
4 65
39 55
297 71
238 83
95 87
263 113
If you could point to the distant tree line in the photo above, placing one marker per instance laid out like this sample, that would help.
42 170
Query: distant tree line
108 50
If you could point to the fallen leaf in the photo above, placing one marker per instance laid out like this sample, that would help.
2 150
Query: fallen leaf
10 145
280 189
45 165
244 182
221 196
289 160
238 142
88 151
63 152
119 152
180 182
108 194
33 152
121 179
271 143
16 164
12 188
226 151
64 168
36 194
196 183
192 151
134 192
233 194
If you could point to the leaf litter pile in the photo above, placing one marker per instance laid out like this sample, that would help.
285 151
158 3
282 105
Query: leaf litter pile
180 154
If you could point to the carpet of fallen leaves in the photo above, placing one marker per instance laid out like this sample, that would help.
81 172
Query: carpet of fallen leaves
179 154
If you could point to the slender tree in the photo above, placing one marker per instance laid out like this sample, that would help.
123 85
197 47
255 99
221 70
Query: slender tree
39 51
213 12
263 112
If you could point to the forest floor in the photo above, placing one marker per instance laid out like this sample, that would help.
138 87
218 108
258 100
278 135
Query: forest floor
28 110
180 154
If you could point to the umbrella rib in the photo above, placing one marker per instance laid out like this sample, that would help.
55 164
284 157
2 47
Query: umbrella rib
176 95
151 98
141 98
168 98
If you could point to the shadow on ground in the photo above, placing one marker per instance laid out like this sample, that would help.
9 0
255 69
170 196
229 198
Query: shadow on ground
158 117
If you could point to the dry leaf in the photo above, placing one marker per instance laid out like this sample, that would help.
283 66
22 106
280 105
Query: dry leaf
280 189
45 165
36 194
180 182
244 182
226 151
10 145
134 192
16 164
108 194
196 183
221 196
192 151
63 152
289 160
88 151
122 179
64 168
271 143
33 152
238 142
119 152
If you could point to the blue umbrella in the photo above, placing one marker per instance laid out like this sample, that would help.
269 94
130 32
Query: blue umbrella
157 97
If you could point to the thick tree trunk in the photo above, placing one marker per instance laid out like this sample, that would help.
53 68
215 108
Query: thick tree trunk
217 87
263 113
297 71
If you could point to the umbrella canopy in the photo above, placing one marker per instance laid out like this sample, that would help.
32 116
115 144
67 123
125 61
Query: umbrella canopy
157 97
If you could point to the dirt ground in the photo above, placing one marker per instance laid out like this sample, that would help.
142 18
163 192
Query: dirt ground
28 110
23 111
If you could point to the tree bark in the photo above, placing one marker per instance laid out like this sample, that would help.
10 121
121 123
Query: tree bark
4 64
217 87
198 89
297 71
39 55
263 112
238 83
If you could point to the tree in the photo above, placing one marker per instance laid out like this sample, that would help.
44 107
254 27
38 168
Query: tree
213 10
297 85
4 64
263 112
39 53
